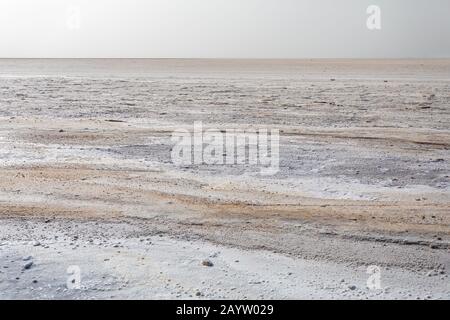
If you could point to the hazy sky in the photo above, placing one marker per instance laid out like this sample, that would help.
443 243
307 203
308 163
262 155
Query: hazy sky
223 28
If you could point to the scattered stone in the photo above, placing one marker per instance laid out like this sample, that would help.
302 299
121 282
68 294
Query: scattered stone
215 254
207 263
352 287
28 265
431 273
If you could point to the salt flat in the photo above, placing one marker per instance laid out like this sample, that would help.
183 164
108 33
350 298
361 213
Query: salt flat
86 171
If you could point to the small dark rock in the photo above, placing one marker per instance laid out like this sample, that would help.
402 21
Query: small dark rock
207 263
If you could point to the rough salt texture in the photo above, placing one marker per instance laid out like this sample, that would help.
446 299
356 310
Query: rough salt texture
86 172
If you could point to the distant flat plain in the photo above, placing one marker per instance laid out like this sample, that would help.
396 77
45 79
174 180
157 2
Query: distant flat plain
85 171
